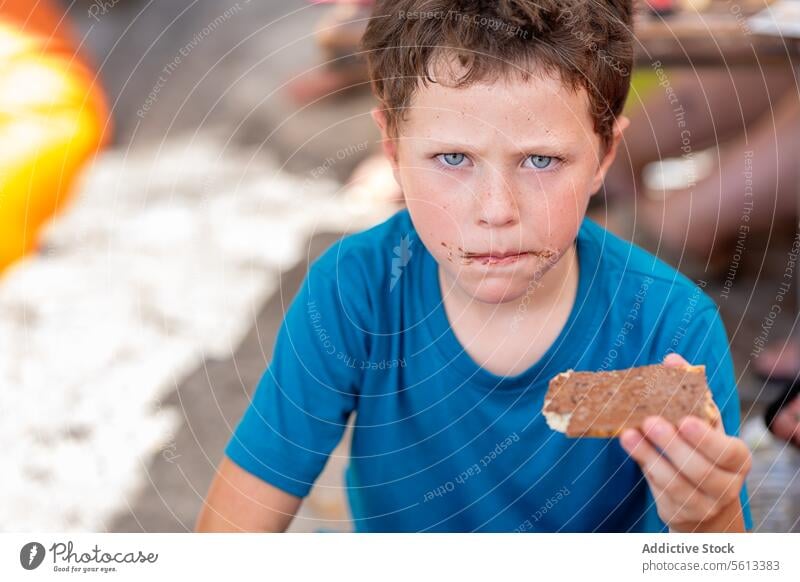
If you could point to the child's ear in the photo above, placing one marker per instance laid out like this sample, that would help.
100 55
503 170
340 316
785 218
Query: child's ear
620 125
388 143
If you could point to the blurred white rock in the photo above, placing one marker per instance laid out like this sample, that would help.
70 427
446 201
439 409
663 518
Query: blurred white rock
163 259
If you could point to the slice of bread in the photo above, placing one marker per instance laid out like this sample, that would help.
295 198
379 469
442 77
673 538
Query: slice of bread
603 404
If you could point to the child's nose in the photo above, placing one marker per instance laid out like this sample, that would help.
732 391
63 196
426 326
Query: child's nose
497 202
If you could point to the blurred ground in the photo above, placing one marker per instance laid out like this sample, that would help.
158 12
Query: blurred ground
223 94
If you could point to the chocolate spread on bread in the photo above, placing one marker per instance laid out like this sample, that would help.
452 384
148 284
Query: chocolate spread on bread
603 404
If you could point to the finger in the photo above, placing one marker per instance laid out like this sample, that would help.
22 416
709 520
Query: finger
648 458
660 473
689 462
784 426
676 361
728 453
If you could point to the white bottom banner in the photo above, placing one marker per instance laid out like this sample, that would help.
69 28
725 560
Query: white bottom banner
400 557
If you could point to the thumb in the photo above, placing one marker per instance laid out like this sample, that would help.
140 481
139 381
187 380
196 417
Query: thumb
675 361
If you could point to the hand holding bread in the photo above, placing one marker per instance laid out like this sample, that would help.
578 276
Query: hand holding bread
668 423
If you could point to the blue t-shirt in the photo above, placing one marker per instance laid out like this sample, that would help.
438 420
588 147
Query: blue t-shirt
441 444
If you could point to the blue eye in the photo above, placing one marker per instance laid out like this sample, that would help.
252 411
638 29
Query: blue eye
452 159
540 162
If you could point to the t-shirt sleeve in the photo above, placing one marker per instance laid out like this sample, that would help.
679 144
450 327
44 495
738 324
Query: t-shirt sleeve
703 340
302 402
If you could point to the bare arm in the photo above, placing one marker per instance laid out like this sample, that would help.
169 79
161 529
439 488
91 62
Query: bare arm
240 502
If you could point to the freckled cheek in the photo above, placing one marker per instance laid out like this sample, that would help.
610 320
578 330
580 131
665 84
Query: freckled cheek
440 232
555 216
429 216
558 225
437 198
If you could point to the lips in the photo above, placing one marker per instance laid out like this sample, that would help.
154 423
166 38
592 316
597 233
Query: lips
496 258
500 257
495 255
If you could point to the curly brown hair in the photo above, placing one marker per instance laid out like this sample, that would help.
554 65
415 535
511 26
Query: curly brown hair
587 43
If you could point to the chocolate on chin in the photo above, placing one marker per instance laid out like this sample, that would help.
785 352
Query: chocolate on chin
603 404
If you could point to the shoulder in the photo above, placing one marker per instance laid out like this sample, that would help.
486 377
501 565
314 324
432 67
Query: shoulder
670 312
355 272
630 268
371 249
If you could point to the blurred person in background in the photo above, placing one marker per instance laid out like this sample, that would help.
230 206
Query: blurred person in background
338 36
752 117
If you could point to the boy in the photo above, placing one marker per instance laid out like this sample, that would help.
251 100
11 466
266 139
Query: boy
441 327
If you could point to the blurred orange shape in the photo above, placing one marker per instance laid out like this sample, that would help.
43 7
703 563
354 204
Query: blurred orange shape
52 121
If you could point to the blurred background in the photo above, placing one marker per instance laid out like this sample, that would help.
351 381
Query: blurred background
169 169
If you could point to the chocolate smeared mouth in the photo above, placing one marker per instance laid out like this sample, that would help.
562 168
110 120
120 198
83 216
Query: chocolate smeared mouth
468 258
494 255
542 253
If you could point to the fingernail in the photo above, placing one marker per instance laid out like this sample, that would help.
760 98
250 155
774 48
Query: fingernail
655 427
629 439
690 426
